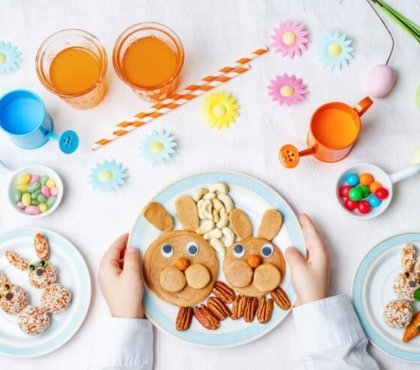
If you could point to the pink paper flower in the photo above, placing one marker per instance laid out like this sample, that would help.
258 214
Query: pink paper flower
290 38
287 90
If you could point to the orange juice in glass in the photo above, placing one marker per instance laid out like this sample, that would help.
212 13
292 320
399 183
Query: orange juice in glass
72 64
149 57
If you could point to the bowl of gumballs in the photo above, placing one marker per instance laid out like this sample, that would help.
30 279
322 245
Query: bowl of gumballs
35 191
365 190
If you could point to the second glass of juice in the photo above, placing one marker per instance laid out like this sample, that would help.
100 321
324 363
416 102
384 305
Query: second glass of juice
72 64
149 57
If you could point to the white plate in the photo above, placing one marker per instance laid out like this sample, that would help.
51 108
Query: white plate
254 198
72 273
372 290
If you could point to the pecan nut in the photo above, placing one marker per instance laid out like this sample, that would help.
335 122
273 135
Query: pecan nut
184 318
224 292
265 310
250 309
280 298
238 307
219 308
206 317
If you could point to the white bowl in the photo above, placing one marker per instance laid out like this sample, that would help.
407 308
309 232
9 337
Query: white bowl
37 170
379 175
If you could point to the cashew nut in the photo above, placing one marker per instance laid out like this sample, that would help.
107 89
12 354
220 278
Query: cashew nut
227 202
205 227
205 209
220 187
198 193
218 246
217 204
224 219
215 213
229 237
209 195
213 234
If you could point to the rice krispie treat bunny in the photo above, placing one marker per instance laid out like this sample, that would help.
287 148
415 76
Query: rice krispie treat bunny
409 279
14 301
42 274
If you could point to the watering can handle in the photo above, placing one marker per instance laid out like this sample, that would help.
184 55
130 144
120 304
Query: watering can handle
405 172
363 105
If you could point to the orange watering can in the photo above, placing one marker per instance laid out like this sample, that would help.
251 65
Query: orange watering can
333 130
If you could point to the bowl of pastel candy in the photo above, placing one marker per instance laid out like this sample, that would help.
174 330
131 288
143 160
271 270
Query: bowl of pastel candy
35 191
364 191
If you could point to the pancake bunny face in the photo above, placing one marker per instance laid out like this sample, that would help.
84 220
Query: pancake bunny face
254 266
180 266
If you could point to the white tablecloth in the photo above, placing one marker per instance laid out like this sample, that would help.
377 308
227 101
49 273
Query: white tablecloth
215 33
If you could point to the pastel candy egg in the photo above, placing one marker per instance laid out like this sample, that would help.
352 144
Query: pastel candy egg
20 205
34 202
44 180
50 183
34 186
23 188
355 194
42 207
32 210
45 190
26 199
34 178
374 201
36 194
380 81
23 179
41 198
51 200
54 191
352 179
17 195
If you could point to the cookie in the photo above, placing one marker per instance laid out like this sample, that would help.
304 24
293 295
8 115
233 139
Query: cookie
412 329
187 213
240 223
270 225
42 248
198 276
12 300
33 320
157 215
398 313
267 277
239 273
172 279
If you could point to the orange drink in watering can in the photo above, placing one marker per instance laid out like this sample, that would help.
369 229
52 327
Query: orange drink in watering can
149 57
72 64
333 130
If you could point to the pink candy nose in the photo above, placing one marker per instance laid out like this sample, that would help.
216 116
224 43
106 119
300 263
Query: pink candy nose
9 296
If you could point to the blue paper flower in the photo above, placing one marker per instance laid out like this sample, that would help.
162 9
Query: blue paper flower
335 51
158 146
108 175
9 57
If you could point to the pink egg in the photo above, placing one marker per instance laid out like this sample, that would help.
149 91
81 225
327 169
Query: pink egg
45 190
34 178
20 205
380 81
32 210
54 191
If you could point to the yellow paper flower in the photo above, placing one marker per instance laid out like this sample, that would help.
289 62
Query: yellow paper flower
220 109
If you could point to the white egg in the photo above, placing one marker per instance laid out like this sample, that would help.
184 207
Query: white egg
380 81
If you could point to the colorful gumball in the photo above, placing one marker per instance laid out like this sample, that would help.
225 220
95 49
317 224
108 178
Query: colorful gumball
365 190
364 207
350 204
366 179
382 193
355 194
344 190
352 179
374 186
374 201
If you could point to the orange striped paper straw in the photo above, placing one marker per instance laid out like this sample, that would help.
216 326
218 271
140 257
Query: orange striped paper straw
207 83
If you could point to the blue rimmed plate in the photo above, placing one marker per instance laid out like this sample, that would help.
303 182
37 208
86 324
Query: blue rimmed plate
372 290
73 274
254 197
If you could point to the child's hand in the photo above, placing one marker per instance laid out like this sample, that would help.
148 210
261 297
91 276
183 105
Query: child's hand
121 280
310 276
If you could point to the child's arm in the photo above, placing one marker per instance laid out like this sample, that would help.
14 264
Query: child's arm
124 341
330 333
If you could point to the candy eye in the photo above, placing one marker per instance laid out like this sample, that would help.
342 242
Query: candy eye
167 250
7 286
238 250
31 267
267 250
192 249
42 263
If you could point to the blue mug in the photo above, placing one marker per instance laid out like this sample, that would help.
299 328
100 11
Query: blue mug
24 118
